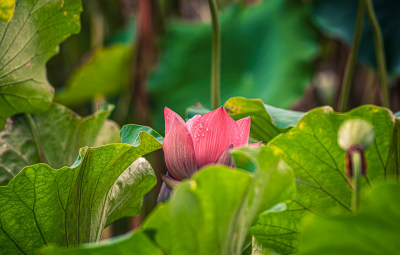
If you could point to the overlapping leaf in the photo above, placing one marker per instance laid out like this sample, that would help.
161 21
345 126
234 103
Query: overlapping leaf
130 134
373 230
26 43
54 137
202 211
266 121
137 243
215 209
266 53
211 213
72 205
311 149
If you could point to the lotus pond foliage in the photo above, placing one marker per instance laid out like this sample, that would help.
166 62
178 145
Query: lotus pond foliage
199 127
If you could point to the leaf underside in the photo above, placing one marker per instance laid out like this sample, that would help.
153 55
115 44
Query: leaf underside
27 42
57 134
72 205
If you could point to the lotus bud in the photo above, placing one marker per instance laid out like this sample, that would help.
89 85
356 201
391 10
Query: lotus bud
355 131
354 136
201 141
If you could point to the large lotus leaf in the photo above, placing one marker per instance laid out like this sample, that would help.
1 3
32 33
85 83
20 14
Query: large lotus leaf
211 213
58 133
26 43
137 243
267 50
106 73
7 10
266 121
72 205
374 230
341 24
311 149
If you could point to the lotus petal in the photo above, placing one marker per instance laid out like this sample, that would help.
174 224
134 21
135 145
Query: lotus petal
226 158
179 151
169 116
164 194
212 133
192 121
242 138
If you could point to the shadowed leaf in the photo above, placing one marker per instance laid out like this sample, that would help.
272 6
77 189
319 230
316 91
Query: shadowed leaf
58 132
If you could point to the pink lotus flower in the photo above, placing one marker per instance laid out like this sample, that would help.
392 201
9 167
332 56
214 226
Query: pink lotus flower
201 141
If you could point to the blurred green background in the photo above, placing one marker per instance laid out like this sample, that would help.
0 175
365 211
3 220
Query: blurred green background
144 55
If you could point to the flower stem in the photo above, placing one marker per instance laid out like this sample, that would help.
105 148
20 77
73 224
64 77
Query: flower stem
356 166
216 55
380 52
351 62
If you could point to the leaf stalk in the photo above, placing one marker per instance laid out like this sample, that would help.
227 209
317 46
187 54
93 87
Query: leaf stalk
351 61
216 56
379 51
356 161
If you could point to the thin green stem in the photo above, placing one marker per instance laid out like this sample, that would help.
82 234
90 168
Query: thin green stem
32 124
216 55
352 60
356 166
96 25
379 51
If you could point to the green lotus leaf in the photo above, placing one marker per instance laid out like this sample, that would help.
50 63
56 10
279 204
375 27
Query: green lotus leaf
312 150
72 205
27 43
54 136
